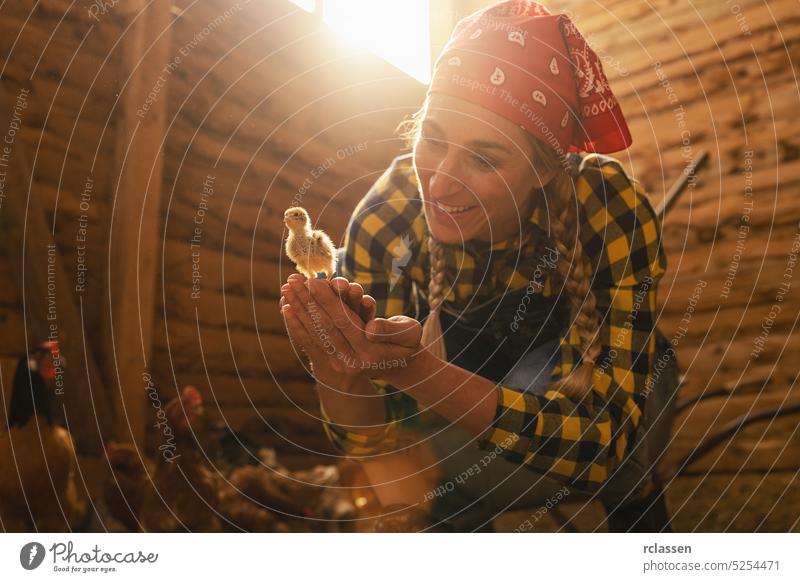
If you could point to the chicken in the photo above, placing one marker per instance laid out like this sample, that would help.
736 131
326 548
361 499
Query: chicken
312 251
129 484
38 489
189 494
185 494
230 448
269 489
307 499
240 513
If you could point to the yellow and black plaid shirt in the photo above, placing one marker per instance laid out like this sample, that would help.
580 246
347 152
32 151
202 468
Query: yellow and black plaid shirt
579 443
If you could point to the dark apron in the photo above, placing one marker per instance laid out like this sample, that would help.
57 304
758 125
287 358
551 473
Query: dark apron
486 341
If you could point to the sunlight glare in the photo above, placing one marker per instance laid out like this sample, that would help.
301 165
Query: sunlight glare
307 5
396 32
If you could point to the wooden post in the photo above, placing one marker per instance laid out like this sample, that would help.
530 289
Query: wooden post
49 307
135 213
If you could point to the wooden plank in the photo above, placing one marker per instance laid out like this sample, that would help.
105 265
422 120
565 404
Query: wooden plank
220 310
740 307
769 445
738 68
723 361
673 34
255 391
76 19
227 351
12 329
54 37
773 163
49 304
704 378
242 168
241 276
135 213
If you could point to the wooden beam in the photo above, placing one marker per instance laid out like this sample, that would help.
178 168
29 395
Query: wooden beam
671 197
135 212
48 303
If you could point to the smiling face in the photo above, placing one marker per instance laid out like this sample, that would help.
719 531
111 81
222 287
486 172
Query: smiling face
475 173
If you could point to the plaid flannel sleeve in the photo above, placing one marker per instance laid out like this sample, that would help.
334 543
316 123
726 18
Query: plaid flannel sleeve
379 246
580 443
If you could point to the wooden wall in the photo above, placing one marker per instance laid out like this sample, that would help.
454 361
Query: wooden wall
67 64
57 79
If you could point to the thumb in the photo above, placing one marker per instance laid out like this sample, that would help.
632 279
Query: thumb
398 329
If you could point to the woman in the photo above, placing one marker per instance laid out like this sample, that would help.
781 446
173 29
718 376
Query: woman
534 267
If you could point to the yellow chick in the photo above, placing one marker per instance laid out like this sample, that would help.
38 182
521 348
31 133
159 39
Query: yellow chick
312 251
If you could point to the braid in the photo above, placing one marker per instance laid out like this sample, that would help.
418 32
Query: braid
432 337
571 266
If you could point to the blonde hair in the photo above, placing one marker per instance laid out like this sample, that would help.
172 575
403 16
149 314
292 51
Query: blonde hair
571 265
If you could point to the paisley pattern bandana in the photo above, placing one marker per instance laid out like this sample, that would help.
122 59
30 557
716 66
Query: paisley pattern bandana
534 68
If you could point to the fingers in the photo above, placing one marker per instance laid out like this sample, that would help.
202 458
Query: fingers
298 310
297 283
399 329
345 320
355 294
368 308
364 305
318 325
348 292
318 320
298 334
340 285
351 293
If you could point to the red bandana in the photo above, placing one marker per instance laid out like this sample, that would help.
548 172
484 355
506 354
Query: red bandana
535 69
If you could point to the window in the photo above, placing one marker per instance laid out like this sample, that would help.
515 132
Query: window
398 32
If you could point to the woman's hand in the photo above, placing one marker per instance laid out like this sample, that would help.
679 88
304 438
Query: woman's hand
306 335
350 293
380 347
324 324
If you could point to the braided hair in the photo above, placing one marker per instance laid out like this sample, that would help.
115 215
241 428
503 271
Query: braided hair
576 278
432 337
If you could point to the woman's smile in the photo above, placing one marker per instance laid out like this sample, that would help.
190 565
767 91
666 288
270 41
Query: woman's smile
452 210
